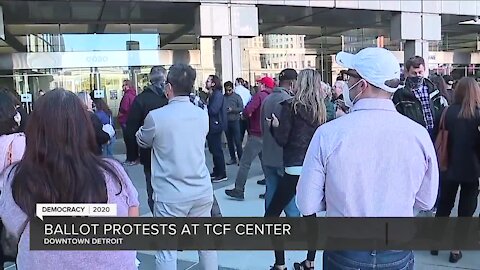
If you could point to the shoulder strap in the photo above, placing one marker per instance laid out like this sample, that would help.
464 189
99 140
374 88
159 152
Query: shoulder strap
442 119
10 154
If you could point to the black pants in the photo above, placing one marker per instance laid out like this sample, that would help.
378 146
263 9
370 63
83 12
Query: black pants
284 193
234 139
148 179
468 198
131 145
214 141
466 205
243 129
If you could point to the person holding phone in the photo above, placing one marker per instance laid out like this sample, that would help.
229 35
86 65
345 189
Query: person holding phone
234 105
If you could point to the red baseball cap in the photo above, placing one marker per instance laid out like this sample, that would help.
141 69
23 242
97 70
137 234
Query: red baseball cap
267 81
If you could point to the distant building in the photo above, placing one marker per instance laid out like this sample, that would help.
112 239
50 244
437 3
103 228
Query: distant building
45 43
267 55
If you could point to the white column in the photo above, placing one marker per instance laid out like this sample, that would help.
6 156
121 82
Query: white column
228 58
236 60
2 26
232 22
416 29
416 48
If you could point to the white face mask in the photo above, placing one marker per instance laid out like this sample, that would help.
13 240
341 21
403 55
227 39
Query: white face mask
346 94
18 118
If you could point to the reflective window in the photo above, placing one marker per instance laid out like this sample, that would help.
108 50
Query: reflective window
108 42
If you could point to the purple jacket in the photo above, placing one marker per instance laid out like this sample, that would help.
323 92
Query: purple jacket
125 105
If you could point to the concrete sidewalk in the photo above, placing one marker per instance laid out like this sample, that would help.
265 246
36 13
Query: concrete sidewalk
252 206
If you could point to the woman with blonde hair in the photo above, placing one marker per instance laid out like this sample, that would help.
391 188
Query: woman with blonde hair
462 121
293 130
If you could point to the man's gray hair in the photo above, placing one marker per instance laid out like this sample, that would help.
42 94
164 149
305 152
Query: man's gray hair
158 74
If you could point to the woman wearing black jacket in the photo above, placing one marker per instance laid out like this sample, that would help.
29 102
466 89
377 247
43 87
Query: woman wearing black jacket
20 108
299 119
462 120
101 136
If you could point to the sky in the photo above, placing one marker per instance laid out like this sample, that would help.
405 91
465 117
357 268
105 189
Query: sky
108 42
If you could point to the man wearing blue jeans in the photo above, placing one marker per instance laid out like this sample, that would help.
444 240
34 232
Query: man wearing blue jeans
272 153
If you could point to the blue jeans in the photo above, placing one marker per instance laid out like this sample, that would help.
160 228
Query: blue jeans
107 148
368 260
272 177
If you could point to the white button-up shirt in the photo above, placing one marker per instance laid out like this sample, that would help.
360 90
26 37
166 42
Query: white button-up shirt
244 94
372 162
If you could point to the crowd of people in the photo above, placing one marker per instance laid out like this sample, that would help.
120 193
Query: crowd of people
362 148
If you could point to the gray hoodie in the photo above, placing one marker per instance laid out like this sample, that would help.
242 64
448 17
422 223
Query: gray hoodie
272 153
233 101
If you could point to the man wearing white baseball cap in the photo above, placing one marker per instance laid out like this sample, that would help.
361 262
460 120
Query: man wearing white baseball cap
372 162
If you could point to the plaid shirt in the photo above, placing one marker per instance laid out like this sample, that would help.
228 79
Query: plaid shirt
422 95
197 101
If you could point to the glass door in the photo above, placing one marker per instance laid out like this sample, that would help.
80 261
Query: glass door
141 79
110 81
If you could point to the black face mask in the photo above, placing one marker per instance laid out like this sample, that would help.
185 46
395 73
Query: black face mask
414 82
158 88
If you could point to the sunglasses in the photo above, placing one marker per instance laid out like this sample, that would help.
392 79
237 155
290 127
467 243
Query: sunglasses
351 73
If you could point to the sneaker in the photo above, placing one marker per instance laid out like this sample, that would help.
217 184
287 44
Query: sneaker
130 163
212 175
234 193
302 266
278 268
261 182
218 179
261 196
231 162
455 257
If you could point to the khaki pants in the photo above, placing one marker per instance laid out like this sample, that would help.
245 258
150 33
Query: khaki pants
167 259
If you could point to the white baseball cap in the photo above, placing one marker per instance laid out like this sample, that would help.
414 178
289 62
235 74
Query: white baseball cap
377 66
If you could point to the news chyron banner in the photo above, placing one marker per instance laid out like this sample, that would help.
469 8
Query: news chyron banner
96 227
